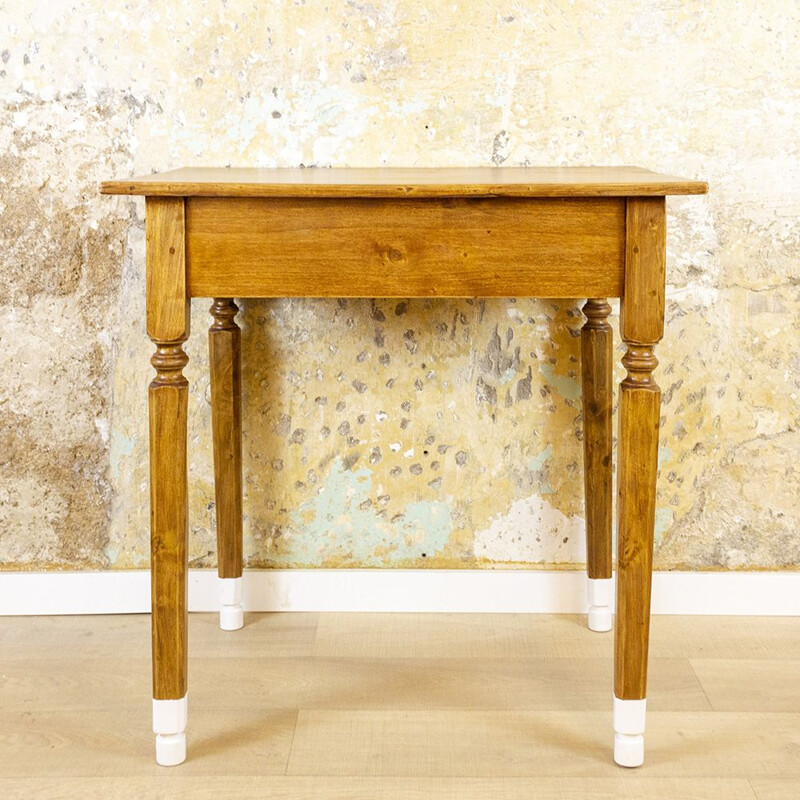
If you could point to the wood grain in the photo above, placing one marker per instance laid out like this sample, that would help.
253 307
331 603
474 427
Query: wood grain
322 682
400 635
279 787
776 788
407 182
750 684
72 744
168 327
168 531
597 343
466 636
539 744
276 635
412 248
224 341
642 325
167 299
641 314
638 459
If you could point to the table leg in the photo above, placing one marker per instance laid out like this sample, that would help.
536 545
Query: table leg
642 325
168 327
596 354
226 419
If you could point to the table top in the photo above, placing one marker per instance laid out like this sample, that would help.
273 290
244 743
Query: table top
407 182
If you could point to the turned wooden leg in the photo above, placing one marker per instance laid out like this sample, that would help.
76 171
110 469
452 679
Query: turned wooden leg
168 327
642 325
596 355
226 420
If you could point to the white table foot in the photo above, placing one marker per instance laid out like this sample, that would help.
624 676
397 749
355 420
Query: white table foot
170 749
169 725
601 592
231 611
629 718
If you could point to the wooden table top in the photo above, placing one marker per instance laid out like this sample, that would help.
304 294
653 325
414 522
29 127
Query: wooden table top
407 182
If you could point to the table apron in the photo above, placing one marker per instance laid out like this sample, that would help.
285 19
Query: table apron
410 247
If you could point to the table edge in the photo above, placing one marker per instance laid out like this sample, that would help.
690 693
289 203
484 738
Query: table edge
389 191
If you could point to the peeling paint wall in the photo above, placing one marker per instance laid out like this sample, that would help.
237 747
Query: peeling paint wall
397 433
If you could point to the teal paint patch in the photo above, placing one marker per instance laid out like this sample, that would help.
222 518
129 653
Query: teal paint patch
507 376
664 455
535 464
664 520
568 388
119 448
341 524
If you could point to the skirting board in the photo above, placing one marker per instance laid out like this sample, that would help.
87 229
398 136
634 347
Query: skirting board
529 591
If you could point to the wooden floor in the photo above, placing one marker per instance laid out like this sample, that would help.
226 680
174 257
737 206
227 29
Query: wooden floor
378 706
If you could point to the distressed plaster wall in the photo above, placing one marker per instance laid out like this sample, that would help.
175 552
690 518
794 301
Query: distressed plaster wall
397 433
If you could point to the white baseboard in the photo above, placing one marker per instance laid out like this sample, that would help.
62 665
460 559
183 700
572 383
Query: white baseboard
530 591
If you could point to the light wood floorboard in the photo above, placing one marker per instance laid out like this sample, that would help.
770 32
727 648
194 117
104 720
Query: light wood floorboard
128 635
750 684
349 683
165 787
776 788
535 744
548 635
372 706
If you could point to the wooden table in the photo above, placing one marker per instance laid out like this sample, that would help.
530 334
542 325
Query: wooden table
485 232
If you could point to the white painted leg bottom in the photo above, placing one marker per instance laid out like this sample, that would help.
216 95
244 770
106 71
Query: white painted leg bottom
629 718
169 725
231 611
170 749
628 750
601 592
